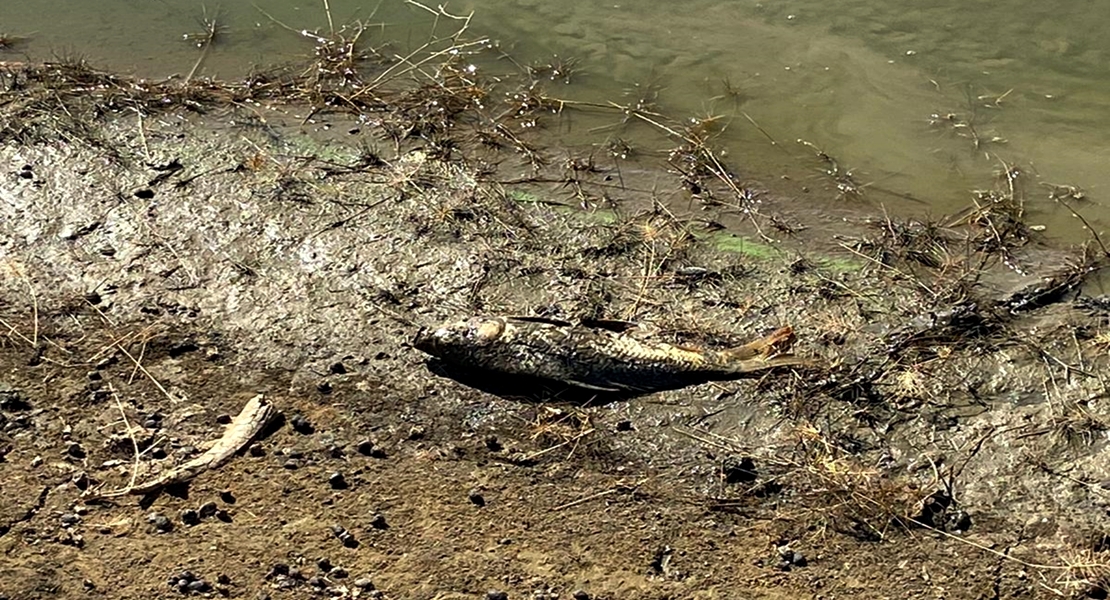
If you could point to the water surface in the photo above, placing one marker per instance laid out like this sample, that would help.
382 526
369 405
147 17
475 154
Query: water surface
879 85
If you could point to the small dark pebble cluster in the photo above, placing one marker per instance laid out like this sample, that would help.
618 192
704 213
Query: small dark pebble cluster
371 449
344 536
161 523
207 510
188 583
301 425
789 559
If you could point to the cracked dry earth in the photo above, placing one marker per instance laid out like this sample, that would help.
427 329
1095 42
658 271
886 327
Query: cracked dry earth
945 457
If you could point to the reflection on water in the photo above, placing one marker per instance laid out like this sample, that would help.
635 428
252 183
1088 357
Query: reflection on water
923 103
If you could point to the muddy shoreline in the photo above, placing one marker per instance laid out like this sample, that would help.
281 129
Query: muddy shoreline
170 250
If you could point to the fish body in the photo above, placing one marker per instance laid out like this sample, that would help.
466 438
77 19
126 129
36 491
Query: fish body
596 355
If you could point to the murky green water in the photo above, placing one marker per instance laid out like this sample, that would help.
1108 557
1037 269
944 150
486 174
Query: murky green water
860 79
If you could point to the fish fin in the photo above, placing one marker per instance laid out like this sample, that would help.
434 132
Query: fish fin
610 324
588 386
758 364
777 343
542 320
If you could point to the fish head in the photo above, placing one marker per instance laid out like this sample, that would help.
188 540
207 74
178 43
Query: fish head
459 338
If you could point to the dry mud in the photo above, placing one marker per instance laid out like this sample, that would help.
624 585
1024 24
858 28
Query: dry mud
953 447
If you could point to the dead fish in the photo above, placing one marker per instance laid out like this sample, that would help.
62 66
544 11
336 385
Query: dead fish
597 355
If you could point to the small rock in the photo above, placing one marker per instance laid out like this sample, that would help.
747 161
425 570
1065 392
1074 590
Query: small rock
160 522
476 498
316 582
190 517
157 453
93 375
324 387
292 464
338 573
278 569
256 449
580 595
625 425
26 175
144 194
378 521
344 536
496 595
223 418
369 448
227 497
364 583
337 481
337 368
324 565
301 425
208 509
739 470
151 424
223 579
69 519
295 573
75 450
493 445
200 586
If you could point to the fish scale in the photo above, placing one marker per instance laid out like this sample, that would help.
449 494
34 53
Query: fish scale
596 357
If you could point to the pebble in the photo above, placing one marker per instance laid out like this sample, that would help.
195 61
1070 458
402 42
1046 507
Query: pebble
223 579
364 583
316 582
324 565
337 481
493 445
190 517
157 453
223 515
580 595
476 498
337 368
369 448
227 496
199 586
223 419
377 521
160 522
151 424
75 450
278 569
93 375
292 464
69 519
496 595
256 449
208 509
324 387
624 426
338 573
301 425
344 536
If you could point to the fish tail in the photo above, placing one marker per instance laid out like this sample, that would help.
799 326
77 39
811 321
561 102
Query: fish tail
778 343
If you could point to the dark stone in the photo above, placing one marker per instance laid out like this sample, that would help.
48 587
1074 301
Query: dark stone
324 565
75 450
190 517
580 595
182 348
227 497
301 425
223 516
344 536
496 595
337 368
369 448
959 521
93 375
223 419
12 399
151 424
144 194
378 521
161 523
223 579
493 445
208 509
739 470
26 174
476 498
278 569
624 426
69 519
200 586
338 573
316 582
256 449
292 464
324 387
337 481
157 453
